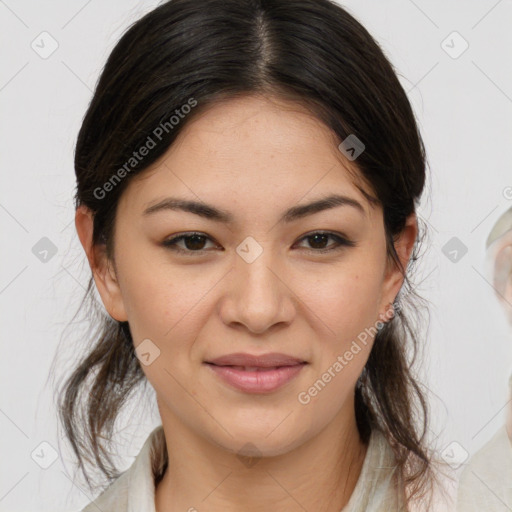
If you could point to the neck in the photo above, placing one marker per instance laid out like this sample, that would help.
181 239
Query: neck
320 474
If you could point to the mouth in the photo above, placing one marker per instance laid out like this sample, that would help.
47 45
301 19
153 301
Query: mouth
245 360
255 368
256 379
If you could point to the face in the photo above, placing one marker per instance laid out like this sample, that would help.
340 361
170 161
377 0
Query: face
253 280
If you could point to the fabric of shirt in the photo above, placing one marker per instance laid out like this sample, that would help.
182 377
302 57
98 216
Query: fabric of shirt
375 490
486 482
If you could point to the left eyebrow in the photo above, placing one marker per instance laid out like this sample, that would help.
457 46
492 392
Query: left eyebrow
218 215
326 203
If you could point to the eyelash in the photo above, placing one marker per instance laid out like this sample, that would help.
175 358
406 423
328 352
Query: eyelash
341 242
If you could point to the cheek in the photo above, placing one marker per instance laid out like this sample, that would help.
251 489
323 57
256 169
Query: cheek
164 307
149 296
347 299
157 305
162 301
346 307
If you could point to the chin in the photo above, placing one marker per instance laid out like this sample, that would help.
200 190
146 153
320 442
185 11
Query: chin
254 443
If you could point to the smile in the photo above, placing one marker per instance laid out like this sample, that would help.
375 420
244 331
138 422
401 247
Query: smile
252 379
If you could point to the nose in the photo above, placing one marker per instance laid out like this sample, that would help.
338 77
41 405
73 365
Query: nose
257 296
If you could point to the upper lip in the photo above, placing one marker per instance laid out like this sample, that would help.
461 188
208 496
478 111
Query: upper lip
261 361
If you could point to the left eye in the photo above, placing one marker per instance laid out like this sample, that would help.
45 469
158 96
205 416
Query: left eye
319 237
194 242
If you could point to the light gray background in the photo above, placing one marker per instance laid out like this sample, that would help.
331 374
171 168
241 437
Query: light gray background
463 105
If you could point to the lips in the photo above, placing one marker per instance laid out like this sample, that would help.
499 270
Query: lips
259 374
251 363
253 368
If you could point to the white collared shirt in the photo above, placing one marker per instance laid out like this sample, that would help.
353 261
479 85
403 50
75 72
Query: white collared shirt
375 490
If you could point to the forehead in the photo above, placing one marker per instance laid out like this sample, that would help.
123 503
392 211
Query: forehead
249 149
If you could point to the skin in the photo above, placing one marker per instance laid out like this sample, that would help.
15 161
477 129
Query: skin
254 158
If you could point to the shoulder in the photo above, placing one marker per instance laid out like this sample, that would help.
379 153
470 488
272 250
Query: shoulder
113 498
381 487
376 488
134 489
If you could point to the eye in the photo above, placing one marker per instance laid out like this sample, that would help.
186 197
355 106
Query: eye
319 238
194 243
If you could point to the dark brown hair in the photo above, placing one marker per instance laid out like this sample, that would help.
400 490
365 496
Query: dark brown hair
312 52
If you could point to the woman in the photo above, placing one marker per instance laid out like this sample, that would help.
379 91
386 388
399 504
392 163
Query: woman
247 179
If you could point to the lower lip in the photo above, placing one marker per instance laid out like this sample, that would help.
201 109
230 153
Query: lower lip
259 381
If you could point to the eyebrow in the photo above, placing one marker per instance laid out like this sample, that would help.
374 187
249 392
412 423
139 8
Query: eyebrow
218 215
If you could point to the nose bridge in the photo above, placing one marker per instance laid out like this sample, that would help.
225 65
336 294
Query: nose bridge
259 298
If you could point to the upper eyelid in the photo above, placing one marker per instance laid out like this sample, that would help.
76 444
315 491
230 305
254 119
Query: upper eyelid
181 236
310 233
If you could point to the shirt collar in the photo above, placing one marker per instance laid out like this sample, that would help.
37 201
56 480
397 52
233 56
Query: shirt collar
375 487
141 487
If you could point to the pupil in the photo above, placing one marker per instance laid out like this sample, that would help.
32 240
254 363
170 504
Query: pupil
315 240
196 239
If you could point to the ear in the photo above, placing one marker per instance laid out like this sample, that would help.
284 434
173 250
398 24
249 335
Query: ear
102 268
394 279
500 255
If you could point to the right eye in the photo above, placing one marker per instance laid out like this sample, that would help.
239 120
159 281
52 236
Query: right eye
194 243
